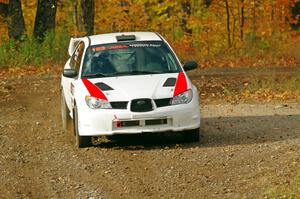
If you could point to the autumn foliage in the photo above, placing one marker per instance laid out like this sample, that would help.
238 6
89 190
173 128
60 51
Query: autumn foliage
215 33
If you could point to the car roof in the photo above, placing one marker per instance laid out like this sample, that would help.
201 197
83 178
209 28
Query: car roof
112 37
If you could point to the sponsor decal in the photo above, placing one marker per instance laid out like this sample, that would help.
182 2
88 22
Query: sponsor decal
181 84
94 90
102 48
145 45
136 45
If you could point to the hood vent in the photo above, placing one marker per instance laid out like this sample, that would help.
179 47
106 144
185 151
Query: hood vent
103 86
125 38
170 82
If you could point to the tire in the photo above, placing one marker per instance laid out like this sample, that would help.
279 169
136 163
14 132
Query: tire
65 117
80 141
192 135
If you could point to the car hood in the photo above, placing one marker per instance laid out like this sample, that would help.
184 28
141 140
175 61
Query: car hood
125 88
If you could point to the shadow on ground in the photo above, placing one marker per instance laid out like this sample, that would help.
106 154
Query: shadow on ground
221 131
141 141
224 131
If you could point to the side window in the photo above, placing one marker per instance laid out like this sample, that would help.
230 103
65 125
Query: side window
76 57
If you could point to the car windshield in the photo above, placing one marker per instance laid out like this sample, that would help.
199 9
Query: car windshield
134 58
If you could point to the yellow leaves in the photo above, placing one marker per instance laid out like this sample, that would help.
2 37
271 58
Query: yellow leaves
260 95
285 95
267 95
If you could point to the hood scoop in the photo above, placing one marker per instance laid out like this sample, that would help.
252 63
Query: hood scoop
170 82
103 86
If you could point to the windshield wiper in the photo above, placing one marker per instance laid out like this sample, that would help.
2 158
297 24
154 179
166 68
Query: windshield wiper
95 75
134 72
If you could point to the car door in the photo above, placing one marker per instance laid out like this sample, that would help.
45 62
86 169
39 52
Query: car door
68 83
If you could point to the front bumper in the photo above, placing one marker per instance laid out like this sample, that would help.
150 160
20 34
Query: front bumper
113 121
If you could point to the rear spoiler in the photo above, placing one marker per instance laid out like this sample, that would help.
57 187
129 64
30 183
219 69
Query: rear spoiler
73 44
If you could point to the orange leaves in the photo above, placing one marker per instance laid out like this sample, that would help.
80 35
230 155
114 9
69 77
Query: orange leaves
110 16
259 31
184 48
4 1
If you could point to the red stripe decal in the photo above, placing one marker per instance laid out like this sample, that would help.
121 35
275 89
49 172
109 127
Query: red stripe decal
94 90
181 84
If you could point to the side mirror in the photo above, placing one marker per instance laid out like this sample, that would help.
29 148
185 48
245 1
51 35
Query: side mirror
70 73
190 65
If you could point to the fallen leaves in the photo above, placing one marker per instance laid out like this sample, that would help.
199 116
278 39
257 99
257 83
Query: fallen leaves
267 95
30 70
244 88
251 61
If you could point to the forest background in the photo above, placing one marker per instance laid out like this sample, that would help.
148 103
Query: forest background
232 33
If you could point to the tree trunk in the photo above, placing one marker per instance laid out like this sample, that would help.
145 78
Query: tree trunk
87 7
255 5
3 9
14 17
242 23
228 23
75 13
295 11
186 8
233 30
45 18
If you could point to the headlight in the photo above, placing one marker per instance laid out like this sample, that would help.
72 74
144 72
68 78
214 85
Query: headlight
183 98
96 103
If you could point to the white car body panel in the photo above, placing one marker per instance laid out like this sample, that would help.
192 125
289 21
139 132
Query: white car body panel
127 88
111 37
96 122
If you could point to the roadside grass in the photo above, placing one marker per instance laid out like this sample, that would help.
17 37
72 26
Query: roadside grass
260 53
290 191
262 86
30 52
272 87
276 50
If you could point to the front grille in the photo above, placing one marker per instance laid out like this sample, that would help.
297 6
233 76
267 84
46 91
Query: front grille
129 123
119 105
156 122
141 123
162 102
141 105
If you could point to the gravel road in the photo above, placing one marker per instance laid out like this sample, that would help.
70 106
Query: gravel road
245 149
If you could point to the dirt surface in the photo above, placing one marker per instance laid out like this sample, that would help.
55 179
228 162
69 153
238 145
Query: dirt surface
245 149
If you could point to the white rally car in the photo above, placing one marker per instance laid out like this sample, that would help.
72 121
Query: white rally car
122 83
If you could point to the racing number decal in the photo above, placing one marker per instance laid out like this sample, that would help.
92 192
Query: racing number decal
94 90
181 84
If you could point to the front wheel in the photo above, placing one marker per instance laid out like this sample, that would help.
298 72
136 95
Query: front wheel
81 141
